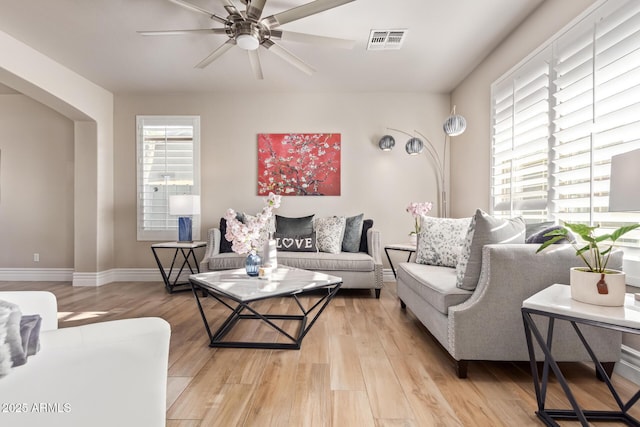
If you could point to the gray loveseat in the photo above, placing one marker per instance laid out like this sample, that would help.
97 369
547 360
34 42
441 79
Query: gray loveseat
362 270
486 323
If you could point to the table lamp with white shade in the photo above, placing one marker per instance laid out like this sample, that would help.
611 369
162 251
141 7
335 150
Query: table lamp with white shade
184 206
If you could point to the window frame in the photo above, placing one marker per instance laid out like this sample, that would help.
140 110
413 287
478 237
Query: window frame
170 231
599 12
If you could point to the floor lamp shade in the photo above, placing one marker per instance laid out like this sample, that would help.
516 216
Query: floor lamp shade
624 190
414 146
184 206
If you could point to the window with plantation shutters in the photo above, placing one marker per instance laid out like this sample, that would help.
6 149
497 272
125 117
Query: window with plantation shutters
167 164
552 153
520 147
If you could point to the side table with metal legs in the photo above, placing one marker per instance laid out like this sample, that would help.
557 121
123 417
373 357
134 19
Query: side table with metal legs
187 257
554 303
402 247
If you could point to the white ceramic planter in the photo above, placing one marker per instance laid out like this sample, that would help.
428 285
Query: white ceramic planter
584 287
413 239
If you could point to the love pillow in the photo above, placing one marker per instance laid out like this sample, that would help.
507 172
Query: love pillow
290 243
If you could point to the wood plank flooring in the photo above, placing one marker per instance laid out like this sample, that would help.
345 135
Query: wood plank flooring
366 362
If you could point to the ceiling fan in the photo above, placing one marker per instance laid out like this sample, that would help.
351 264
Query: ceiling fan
247 30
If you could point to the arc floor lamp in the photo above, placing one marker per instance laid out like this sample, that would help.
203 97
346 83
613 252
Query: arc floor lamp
454 125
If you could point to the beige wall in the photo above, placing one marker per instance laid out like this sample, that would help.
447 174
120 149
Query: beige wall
29 72
470 152
376 183
36 185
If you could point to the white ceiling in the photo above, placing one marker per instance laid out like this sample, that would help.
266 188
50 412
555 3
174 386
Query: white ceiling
446 40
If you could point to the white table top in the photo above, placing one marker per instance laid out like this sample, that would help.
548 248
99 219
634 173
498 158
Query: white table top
401 246
283 281
178 245
556 299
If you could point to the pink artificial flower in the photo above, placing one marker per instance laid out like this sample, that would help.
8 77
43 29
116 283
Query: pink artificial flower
418 209
244 237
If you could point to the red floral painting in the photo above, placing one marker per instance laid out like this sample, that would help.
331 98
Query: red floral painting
299 164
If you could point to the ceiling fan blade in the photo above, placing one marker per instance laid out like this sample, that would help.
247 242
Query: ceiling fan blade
198 9
230 7
182 32
216 53
312 39
254 59
288 56
300 12
255 9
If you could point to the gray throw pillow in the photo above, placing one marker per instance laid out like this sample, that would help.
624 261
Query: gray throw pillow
301 226
289 243
225 245
540 237
30 333
5 351
13 338
364 244
484 230
352 233
536 227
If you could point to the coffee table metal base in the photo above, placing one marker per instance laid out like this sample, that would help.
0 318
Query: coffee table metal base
306 320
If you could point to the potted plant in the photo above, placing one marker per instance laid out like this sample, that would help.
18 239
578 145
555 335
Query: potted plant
417 209
594 283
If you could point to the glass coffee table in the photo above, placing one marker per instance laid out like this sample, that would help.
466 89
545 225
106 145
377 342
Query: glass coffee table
240 294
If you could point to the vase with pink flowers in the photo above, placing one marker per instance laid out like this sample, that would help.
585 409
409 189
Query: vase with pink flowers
417 209
248 235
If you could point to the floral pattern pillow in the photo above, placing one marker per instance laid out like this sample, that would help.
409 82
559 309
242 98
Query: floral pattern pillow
329 233
440 240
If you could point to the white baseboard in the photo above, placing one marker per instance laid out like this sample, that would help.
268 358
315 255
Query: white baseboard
117 275
36 274
629 364
387 275
80 279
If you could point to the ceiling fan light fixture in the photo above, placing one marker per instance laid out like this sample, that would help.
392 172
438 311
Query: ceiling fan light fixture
247 42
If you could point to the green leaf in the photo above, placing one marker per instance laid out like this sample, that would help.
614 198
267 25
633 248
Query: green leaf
580 229
550 242
603 238
623 230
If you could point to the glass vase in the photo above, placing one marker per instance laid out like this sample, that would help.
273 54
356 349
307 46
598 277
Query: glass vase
252 264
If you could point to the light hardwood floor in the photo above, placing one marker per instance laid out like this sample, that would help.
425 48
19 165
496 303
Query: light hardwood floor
366 362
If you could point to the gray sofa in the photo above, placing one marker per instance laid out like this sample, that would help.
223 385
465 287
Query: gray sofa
362 270
486 324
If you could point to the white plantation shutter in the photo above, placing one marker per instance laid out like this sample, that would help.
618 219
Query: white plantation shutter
572 124
168 164
617 104
593 113
520 147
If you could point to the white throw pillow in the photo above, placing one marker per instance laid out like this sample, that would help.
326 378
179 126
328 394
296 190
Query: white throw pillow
440 240
484 230
329 233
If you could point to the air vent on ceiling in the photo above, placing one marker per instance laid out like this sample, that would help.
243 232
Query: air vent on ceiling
386 39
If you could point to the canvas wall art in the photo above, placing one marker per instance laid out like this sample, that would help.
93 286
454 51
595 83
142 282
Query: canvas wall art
299 164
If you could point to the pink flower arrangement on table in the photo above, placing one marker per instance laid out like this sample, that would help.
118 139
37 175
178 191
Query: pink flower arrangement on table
417 209
244 237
